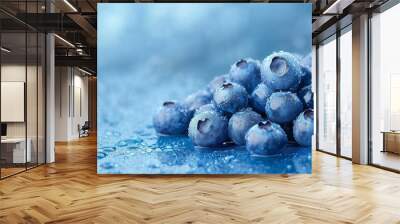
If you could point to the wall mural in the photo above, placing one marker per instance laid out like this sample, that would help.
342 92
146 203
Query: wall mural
204 88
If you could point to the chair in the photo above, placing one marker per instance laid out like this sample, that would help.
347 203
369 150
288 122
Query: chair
84 130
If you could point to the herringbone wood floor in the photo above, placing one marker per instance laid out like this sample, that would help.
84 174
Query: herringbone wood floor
70 191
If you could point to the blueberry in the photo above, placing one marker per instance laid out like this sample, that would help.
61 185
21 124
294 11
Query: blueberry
307 61
240 123
265 138
230 97
303 128
172 119
281 71
198 99
259 97
305 77
208 129
306 97
217 83
246 72
283 107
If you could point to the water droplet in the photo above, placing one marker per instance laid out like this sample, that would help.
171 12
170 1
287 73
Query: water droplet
122 143
108 149
108 165
116 133
228 158
101 155
132 147
153 166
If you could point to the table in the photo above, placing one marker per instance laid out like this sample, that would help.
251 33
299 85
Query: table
391 141
19 155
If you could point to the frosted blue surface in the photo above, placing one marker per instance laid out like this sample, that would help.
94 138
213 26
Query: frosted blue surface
151 53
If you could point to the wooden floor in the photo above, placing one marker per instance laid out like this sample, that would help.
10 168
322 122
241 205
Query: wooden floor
70 191
5 172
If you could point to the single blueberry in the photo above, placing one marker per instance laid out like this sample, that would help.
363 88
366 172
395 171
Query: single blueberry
172 119
208 129
265 138
231 97
259 97
240 123
217 82
281 71
303 128
283 107
305 77
246 72
197 99
306 96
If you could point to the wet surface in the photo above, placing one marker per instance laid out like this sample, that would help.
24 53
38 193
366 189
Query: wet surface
154 154
128 144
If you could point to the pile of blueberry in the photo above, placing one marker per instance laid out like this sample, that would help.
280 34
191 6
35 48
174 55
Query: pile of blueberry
261 105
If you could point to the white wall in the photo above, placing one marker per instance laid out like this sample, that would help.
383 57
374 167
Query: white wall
62 82
71 102
13 101
16 72
81 84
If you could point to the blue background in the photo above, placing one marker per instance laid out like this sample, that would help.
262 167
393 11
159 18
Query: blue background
150 53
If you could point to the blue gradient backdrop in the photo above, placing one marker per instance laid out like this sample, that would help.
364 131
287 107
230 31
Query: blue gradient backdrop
149 53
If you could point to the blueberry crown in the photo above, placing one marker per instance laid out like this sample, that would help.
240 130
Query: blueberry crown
309 113
241 63
227 85
201 125
279 65
264 124
168 103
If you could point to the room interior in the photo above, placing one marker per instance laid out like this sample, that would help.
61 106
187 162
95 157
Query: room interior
22 103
